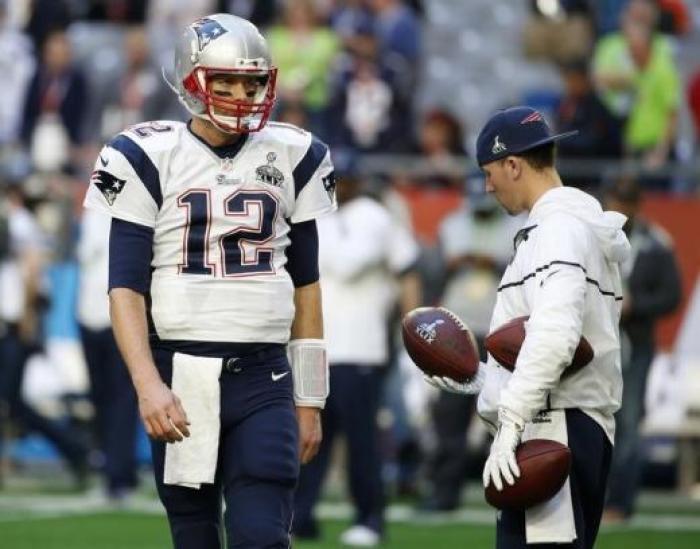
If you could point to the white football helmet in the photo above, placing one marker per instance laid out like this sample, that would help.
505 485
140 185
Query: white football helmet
217 44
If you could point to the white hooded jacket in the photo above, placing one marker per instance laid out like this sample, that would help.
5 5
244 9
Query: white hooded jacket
565 275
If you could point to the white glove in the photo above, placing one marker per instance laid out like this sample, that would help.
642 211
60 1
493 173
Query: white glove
469 387
501 462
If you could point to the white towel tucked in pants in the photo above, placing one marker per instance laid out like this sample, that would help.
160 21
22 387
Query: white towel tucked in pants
192 462
551 521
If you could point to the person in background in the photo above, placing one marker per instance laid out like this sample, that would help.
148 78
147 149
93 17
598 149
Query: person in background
22 301
476 242
652 286
441 143
399 34
639 80
55 107
367 111
135 93
17 66
111 392
364 255
304 51
599 131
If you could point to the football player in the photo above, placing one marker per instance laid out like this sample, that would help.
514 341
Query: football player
213 281
564 275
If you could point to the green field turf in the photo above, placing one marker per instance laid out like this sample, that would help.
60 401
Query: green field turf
130 530
41 512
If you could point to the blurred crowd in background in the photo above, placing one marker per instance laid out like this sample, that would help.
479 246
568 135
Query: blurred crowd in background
398 89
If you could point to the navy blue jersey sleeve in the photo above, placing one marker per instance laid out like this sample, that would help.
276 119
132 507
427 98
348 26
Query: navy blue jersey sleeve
130 254
302 253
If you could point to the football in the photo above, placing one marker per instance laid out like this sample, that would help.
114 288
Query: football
544 467
504 343
439 343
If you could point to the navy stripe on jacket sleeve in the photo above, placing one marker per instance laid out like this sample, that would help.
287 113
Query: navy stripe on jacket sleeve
130 254
142 165
309 164
302 253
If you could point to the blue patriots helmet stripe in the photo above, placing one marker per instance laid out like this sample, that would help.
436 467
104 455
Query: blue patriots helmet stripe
207 30
142 165
309 164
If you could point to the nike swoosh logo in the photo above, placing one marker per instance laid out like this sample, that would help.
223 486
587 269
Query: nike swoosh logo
549 275
104 162
277 377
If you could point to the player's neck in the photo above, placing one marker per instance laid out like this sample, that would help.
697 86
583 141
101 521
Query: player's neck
540 183
212 135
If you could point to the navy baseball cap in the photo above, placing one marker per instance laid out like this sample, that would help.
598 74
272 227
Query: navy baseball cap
514 131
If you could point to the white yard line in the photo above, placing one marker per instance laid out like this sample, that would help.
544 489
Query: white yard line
14 508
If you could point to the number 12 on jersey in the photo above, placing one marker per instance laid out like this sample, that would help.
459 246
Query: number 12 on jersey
239 208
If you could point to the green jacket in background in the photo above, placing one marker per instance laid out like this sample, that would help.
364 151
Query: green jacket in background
653 99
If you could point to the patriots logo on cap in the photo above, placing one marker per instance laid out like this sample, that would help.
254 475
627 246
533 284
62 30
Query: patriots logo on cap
207 30
108 185
498 147
534 117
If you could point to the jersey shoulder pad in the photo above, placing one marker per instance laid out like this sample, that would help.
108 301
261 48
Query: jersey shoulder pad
155 136
294 139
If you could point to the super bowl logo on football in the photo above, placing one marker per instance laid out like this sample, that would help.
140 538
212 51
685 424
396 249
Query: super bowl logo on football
439 343
268 173
429 331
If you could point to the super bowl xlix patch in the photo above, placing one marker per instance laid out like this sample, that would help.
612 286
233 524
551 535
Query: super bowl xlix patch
268 173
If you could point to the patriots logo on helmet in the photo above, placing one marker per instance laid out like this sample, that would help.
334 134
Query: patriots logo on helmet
108 185
207 30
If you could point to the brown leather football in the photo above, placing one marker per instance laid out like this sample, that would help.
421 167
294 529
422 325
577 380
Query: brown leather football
504 344
439 343
544 467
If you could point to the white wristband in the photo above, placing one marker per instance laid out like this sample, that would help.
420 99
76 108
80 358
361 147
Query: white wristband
310 371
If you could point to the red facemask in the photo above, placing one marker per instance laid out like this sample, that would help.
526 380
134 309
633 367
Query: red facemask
240 116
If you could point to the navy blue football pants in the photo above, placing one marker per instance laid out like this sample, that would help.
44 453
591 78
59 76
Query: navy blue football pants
258 463
351 409
591 452
116 409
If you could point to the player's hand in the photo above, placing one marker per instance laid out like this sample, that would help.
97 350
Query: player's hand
501 463
310 433
470 387
162 413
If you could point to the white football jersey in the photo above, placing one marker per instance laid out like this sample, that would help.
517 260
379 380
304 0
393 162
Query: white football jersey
565 275
362 250
220 223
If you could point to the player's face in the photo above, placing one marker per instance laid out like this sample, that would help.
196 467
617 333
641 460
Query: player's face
501 179
228 87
